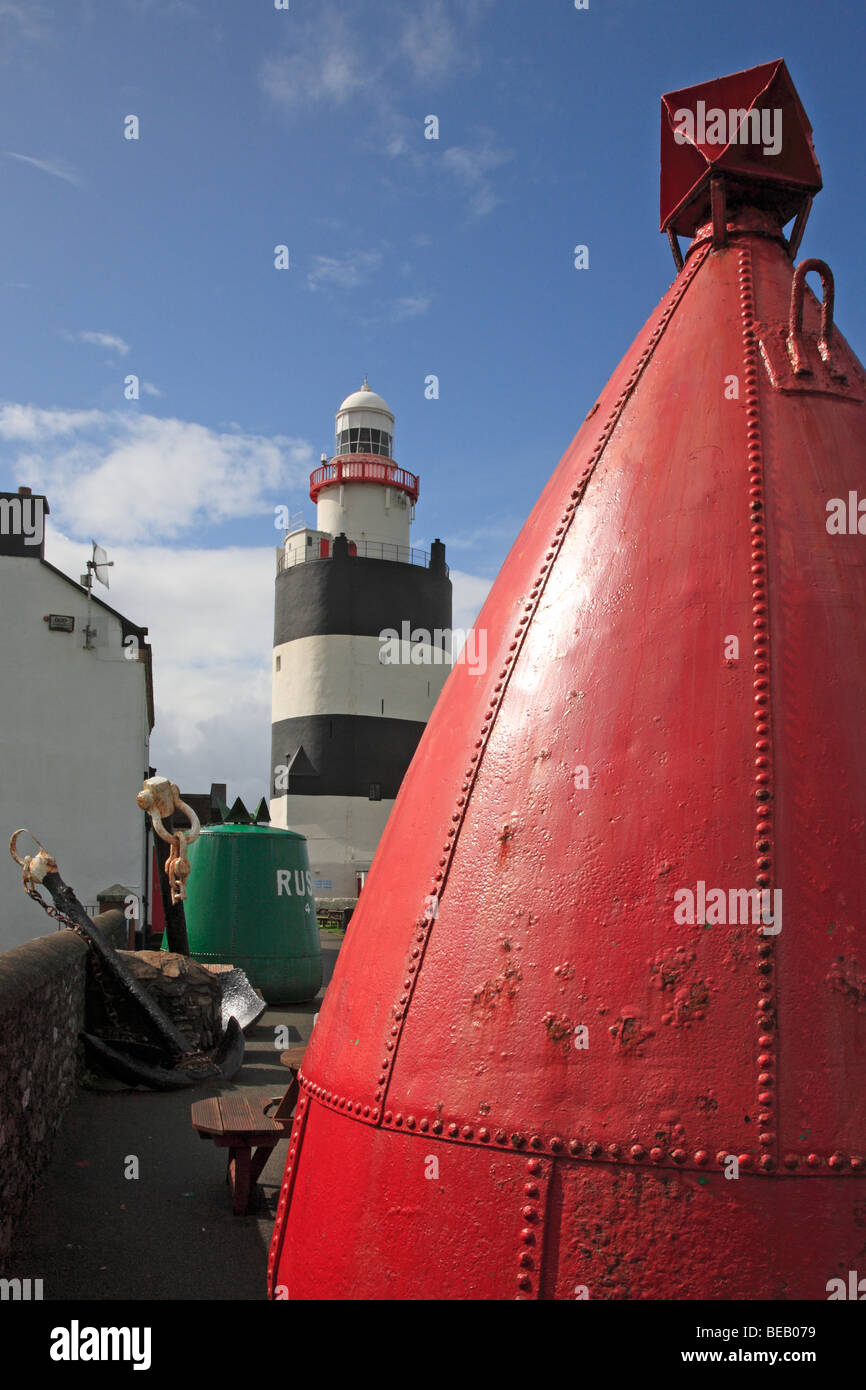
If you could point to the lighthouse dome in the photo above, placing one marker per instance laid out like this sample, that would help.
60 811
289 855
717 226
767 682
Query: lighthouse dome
365 424
365 399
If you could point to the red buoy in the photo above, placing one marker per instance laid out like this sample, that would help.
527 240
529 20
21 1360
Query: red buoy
598 1027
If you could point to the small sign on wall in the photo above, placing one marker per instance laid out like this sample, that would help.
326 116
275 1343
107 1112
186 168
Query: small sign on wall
59 622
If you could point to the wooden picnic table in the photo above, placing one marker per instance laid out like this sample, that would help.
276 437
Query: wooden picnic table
247 1130
293 1057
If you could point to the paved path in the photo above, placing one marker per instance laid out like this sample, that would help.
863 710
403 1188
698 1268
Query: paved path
92 1233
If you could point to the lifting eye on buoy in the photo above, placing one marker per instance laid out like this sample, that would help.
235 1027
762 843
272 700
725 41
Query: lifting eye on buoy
796 351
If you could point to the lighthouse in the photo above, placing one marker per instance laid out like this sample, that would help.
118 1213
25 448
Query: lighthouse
362 624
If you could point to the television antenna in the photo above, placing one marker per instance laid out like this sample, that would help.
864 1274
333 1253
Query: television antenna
97 568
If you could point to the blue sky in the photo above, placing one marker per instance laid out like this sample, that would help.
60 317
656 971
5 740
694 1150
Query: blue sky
408 257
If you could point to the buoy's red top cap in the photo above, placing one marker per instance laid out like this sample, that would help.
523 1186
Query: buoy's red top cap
749 127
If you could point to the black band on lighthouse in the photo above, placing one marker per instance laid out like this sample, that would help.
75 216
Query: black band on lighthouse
341 754
358 597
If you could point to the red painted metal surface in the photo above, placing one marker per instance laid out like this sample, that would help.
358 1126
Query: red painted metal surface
528 1078
363 468
696 145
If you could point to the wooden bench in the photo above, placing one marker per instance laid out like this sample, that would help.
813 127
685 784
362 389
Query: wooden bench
247 1130
293 1057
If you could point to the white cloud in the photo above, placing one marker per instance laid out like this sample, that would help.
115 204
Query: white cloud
150 390
160 9
27 20
52 167
210 620
226 597
472 168
29 424
410 307
334 62
326 66
106 340
233 744
431 42
132 476
347 271
439 41
397 143
469 592
497 531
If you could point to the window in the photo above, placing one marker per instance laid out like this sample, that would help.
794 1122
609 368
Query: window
375 791
365 441
279 663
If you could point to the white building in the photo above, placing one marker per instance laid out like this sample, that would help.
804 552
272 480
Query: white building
346 720
76 712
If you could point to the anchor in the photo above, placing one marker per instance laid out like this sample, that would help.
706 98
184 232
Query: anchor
146 1048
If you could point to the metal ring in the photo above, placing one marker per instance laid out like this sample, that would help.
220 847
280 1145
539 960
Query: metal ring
795 317
192 832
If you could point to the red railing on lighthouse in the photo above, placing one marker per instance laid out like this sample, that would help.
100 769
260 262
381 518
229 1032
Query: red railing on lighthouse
363 468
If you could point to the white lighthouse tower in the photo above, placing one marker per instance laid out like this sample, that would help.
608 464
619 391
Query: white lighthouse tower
361 650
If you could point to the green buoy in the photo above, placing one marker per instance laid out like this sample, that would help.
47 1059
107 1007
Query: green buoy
249 903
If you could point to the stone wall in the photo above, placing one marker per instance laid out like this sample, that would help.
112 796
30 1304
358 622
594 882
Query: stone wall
41 1013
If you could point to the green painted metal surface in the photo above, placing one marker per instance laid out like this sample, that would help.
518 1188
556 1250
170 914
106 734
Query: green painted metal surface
249 902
